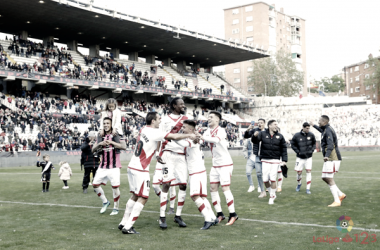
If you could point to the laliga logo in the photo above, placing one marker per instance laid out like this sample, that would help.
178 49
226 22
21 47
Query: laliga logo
344 224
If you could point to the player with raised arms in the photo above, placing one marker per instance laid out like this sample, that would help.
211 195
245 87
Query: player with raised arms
138 168
222 166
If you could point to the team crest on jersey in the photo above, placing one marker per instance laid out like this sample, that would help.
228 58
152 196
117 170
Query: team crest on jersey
308 138
277 136
267 137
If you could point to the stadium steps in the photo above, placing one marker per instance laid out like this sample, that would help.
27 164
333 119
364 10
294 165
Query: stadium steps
176 76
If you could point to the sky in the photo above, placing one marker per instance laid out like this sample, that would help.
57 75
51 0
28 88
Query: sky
338 33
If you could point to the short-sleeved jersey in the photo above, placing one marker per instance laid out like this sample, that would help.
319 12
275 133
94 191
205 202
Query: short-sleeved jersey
110 154
145 148
193 155
172 124
220 155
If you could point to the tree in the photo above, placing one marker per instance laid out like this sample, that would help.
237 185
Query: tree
330 85
276 76
373 81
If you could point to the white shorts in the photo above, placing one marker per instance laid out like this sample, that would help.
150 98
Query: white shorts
157 177
198 184
103 175
175 168
303 163
330 168
139 183
270 170
221 175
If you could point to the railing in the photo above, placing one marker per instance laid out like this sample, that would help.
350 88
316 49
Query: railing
234 86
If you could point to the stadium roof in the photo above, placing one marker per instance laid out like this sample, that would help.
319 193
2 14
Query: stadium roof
89 25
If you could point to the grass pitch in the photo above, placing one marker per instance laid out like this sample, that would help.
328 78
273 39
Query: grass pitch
69 219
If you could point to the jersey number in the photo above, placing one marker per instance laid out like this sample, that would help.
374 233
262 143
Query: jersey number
139 148
165 170
148 183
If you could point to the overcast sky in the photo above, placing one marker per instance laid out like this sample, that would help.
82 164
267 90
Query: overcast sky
338 33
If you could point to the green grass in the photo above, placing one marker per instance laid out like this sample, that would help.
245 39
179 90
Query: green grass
26 226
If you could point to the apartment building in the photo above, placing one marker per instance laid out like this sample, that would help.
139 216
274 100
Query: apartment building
263 26
354 76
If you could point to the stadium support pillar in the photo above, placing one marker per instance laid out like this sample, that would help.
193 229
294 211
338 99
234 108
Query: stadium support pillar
151 59
197 66
181 65
94 50
167 62
115 52
133 56
24 35
48 40
208 69
73 45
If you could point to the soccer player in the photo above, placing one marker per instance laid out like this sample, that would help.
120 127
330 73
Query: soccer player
303 143
331 157
138 168
222 166
198 175
46 166
255 159
109 168
273 153
172 157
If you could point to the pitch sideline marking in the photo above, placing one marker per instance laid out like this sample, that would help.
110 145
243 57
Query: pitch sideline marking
193 215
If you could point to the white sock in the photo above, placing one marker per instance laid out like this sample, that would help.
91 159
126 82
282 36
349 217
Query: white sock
340 193
116 197
334 192
157 189
209 208
163 200
216 201
230 201
308 180
99 191
181 202
173 194
272 192
128 211
202 209
299 178
279 180
137 208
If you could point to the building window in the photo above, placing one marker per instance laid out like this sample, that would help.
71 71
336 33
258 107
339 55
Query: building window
236 80
350 70
368 87
249 18
235 11
356 68
250 69
235 31
250 39
237 70
235 21
367 76
248 8
357 89
366 66
351 80
368 97
352 91
249 28
357 79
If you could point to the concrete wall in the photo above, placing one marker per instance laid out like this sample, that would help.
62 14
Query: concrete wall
75 159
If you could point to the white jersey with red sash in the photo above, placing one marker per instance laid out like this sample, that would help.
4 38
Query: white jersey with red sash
172 124
220 155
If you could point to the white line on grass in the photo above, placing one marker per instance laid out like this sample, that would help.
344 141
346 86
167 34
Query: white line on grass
193 215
